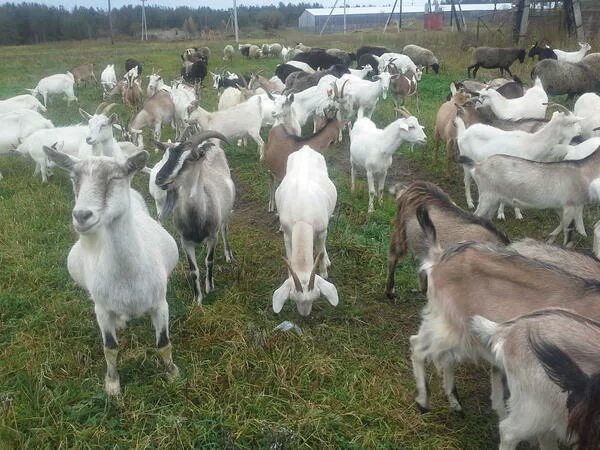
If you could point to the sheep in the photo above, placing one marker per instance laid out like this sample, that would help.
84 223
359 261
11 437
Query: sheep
346 57
542 53
83 72
130 63
480 141
282 71
588 108
495 58
369 60
244 49
372 148
553 374
132 91
275 50
422 57
532 105
573 57
282 143
371 50
592 61
108 78
228 53
123 257
18 102
560 77
200 194
158 110
244 119
255 52
55 84
472 278
361 73
566 185
318 59
305 200
454 225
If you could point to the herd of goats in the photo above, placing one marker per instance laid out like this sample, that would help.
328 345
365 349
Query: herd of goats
528 308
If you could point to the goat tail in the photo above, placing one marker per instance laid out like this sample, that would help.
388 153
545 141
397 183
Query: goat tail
435 249
484 329
583 392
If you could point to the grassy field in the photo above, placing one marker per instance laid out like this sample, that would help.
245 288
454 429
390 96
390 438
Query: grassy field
345 383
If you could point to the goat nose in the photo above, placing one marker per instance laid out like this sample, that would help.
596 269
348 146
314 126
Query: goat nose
82 215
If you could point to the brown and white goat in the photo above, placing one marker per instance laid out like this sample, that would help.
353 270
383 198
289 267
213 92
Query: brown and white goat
453 225
282 143
403 86
132 91
482 279
552 367
158 110
83 72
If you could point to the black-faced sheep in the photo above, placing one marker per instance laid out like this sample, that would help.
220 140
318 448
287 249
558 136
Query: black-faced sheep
541 52
318 59
495 58
559 77
422 57
371 50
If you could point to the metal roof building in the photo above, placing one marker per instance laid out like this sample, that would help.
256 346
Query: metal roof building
312 19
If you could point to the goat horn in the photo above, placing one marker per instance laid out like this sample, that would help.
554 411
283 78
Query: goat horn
107 109
335 89
596 129
100 107
204 135
342 91
297 283
311 280
557 105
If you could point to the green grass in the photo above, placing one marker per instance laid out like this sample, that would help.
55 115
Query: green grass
345 383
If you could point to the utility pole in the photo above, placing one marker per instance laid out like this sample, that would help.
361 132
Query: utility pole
387 22
344 16
235 22
327 20
112 39
144 24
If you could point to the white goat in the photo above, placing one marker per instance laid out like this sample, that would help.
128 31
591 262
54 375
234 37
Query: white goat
361 73
183 97
61 83
532 105
18 125
581 150
550 358
400 62
70 140
480 141
564 185
305 200
372 149
108 78
100 136
123 257
25 101
364 93
573 57
588 108
155 84
200 193
238 121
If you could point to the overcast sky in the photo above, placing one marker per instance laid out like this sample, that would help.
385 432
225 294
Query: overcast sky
219 4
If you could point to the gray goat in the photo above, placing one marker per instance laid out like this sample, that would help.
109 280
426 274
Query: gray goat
200 193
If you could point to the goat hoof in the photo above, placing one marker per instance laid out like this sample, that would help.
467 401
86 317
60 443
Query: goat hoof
112 386
422 409
172 372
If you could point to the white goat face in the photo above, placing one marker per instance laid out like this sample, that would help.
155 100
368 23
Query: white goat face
304 299
216 80
385 78
100 128
154 83
101 187
413 131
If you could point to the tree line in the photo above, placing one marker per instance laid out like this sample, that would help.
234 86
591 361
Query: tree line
31 23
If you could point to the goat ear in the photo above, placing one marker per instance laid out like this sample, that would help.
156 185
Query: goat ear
168 205
453 88
61 159
159 145
136 162
113 119
290 98
117 126
281 295
199 151
328 290
86 115
192 106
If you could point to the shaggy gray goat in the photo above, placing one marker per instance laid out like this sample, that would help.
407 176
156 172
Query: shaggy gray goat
559 77
200 193
422 57
495 58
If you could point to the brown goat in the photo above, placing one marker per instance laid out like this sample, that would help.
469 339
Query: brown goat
403 86
83 72
281 144
452 223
